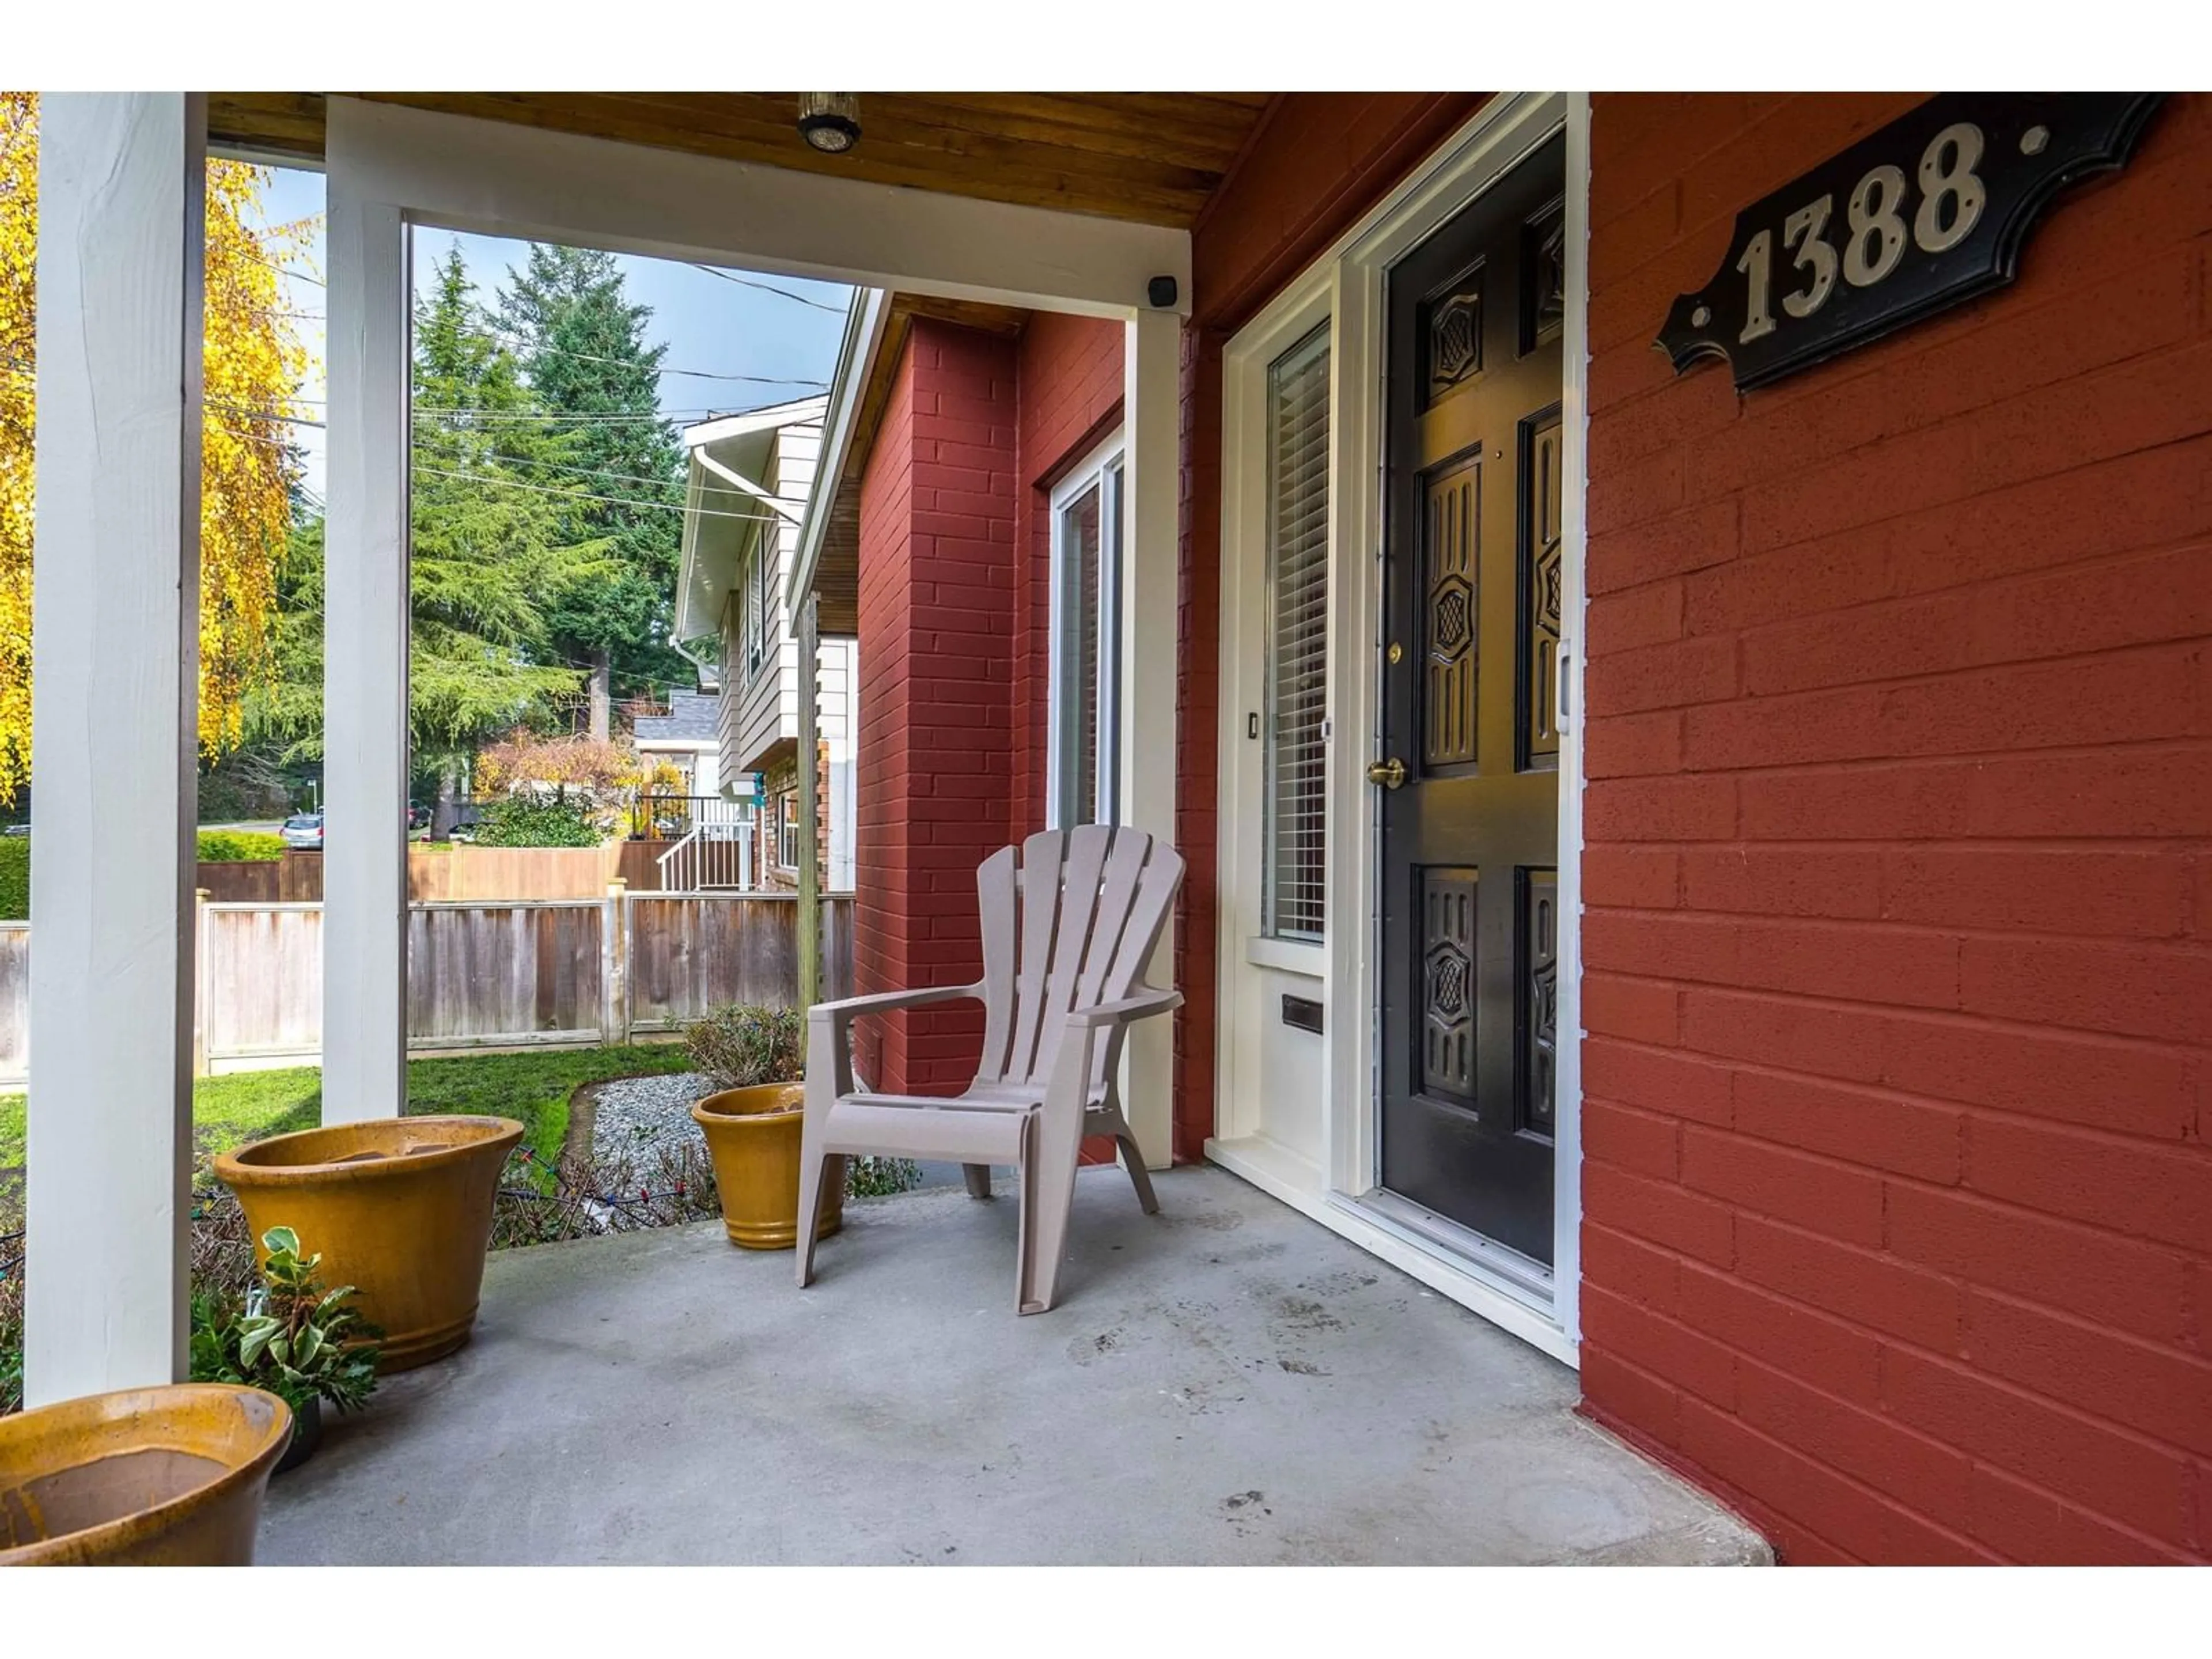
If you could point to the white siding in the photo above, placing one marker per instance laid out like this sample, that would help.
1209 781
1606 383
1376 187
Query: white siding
766 711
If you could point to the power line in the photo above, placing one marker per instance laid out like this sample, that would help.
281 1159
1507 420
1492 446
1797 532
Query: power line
585 495
524 344
770 288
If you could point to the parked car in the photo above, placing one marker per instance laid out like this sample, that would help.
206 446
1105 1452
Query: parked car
304 831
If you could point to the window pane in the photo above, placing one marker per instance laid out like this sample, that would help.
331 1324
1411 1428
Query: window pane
1078 755
1296 529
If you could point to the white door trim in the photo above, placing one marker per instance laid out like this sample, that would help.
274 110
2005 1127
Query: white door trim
1330 1185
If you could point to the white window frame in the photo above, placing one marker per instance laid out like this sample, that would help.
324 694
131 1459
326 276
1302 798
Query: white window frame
1100 468
1330 1174
760 593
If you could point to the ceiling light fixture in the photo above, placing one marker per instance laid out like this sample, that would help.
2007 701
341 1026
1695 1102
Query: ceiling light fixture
830 121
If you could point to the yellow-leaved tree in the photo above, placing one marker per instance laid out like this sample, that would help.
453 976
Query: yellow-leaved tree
253 363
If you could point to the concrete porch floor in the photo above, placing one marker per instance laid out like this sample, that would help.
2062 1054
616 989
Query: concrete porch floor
1226 1382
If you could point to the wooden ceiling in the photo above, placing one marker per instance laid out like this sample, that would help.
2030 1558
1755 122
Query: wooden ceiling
1150 157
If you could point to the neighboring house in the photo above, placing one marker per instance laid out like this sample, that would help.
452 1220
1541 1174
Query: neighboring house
748 478
688 737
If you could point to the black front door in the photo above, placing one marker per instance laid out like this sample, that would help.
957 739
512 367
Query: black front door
1470 610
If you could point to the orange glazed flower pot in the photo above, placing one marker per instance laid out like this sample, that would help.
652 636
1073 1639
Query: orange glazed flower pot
167 1477
398 1207
753 1136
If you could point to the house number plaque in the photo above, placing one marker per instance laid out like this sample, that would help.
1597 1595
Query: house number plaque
1928 212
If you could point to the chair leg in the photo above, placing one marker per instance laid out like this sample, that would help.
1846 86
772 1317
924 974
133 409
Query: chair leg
1051 1143
813 1163
978 1177
1113 1123
1134 1162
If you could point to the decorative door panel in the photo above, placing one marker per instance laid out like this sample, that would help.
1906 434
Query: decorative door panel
1538 648
1447 908
1452 525
1472 607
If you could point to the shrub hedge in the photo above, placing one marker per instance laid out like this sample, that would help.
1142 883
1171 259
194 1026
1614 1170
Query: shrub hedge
14 878
239 846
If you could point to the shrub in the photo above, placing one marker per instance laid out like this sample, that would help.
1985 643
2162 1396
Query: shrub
744 1044
14 878
239 846
528 820
11 1341
291 1335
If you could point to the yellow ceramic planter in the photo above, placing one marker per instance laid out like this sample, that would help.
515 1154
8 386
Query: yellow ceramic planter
753 1136
169 1477
398 1207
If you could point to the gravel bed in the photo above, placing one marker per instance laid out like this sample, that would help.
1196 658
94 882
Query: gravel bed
634 1113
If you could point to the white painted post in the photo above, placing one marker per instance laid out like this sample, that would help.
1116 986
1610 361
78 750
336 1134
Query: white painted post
122 186
365 658
200 896
1152 370
614 963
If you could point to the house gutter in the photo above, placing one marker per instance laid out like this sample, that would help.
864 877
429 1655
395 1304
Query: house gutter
864 329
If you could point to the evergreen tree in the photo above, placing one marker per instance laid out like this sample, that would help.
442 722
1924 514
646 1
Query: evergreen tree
489 541
583 345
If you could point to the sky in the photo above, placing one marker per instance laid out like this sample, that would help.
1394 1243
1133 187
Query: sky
712 325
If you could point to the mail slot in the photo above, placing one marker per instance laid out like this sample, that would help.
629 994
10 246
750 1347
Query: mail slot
1303 1012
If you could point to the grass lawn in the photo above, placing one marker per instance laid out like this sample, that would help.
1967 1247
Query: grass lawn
532 1088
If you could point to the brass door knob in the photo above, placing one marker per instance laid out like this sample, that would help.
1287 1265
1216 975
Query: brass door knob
1389 773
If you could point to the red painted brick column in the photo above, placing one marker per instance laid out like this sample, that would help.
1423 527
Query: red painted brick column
1897 1198
936 615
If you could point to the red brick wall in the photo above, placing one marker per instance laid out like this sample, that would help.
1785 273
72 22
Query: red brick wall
936 614
1069 369
1898 1204
1317 162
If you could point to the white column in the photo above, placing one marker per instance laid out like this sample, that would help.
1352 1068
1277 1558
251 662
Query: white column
1151 485
122 186
365 658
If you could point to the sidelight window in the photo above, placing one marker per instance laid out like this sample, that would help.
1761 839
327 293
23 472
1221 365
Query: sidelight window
1297 684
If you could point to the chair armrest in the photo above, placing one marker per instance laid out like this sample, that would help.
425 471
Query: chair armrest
850 1008
1128 1008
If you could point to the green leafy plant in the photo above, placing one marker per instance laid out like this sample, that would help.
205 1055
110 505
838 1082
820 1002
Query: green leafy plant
745 1044
239 846
530 820
291 1336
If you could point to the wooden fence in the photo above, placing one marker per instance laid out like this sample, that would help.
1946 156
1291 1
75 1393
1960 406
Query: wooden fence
15 1002
551 972
454 870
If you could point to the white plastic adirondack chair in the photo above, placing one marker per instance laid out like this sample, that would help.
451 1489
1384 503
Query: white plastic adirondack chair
1067 928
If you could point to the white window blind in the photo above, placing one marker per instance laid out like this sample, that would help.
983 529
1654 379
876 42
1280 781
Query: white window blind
1297 638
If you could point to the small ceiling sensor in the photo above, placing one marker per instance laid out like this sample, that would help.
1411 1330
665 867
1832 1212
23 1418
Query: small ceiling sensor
830 121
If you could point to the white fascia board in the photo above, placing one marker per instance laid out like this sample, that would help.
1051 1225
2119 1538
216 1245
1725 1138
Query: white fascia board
863 333
797 412
504 179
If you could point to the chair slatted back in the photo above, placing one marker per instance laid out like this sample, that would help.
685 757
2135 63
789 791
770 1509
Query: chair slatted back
1069 921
